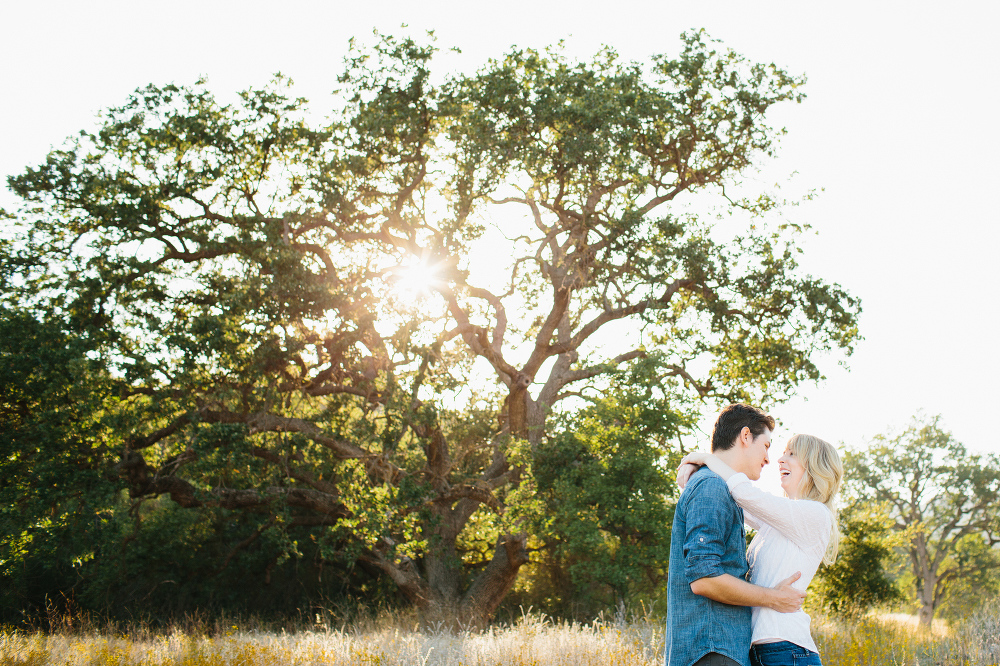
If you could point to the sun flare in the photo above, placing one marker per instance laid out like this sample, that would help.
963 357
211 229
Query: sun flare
414 282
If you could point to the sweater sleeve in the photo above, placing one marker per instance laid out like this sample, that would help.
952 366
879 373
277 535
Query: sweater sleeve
751 521
806 523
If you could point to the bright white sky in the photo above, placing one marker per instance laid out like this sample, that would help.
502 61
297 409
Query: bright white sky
900 128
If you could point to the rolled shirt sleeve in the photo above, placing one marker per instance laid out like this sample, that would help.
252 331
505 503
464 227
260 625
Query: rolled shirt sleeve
708 525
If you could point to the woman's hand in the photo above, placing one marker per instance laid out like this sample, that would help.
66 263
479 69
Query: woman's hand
697 458
710 460
684 473
689 466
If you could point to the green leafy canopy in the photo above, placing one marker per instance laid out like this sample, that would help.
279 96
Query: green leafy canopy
354 341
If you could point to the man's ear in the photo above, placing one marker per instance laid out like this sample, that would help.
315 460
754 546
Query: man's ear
746 437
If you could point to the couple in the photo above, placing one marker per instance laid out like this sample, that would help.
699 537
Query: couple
714 616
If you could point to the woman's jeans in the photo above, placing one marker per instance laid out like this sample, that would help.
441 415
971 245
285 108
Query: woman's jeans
783 653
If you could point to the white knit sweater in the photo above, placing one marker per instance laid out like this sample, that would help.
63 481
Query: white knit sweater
792 535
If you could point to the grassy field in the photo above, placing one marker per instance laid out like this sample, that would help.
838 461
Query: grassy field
533 640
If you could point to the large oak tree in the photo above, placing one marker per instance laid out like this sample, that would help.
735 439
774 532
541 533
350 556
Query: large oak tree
943 501
251 282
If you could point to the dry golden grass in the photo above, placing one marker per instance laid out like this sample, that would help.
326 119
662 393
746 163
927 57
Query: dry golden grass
881 641
532 641
939 627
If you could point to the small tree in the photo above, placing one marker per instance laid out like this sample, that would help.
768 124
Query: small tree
943 498
979 582
607 498
53 455
858 580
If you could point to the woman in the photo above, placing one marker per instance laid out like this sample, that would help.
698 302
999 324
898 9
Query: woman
794 533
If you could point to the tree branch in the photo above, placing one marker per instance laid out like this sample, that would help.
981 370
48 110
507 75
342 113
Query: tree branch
377 466
594 370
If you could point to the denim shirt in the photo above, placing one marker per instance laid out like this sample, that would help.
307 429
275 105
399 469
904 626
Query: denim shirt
708 540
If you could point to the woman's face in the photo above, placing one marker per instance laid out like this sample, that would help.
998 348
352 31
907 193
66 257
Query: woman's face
791 471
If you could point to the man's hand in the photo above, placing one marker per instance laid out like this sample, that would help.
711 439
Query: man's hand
784 598
734 591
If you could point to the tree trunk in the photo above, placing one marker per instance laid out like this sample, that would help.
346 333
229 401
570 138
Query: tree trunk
488 590
517 406
926 580
435 593
442 567
928 599
926 612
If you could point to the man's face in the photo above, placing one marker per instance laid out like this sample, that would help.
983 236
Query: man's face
756 453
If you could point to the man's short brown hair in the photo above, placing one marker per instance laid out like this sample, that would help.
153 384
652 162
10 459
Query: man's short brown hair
733 419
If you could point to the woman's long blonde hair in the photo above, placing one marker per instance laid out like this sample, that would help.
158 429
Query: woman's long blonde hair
821 481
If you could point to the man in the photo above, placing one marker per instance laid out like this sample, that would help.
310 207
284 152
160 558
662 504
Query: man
708 597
